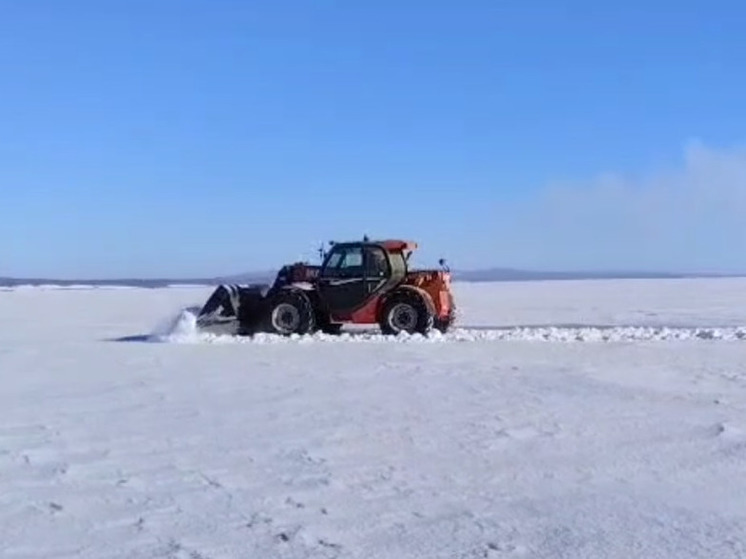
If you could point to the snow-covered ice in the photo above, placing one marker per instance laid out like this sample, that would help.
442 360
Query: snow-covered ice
560 419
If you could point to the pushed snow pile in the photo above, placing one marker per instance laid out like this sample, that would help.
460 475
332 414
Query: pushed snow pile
183 325
183 329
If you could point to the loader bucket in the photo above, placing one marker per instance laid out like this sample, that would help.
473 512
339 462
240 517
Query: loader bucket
233 310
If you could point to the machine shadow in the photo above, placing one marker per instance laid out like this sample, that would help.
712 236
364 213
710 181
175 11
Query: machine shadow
136 338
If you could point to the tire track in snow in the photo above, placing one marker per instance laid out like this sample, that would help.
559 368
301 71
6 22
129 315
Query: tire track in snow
183 329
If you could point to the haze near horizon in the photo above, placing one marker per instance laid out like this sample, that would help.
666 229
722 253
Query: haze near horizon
197 139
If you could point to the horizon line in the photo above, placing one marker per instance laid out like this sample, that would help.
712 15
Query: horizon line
467 274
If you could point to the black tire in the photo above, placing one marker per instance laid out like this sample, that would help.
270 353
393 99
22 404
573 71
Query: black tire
406 311
289 312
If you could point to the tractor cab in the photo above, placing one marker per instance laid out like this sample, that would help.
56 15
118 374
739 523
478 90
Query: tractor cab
354 272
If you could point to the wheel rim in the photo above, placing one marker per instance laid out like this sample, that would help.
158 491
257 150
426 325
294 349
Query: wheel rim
403 317
285 318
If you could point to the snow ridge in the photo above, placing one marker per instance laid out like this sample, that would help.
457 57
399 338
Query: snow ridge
183 329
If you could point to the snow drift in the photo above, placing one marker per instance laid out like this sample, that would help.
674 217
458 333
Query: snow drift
183 329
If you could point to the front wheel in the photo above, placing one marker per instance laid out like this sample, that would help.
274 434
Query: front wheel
408 312
290 312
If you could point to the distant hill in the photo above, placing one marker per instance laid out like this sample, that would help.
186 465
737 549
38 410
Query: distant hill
509 274
257 277
486 275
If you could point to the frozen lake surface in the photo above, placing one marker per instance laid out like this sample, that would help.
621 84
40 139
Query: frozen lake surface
579 419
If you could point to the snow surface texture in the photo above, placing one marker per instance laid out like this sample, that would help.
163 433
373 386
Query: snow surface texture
494 441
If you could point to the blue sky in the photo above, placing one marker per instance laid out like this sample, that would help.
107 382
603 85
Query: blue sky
188 138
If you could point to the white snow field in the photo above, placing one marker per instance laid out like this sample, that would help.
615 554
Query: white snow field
561 419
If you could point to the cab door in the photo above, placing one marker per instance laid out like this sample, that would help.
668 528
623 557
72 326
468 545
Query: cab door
341 283
377 269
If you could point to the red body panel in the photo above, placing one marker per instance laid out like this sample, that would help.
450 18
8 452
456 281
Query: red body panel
434 285
399 246
437 284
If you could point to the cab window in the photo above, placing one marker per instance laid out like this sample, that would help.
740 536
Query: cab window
344 262
376 263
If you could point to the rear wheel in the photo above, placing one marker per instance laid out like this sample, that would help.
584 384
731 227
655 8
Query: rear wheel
406 311
290 312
